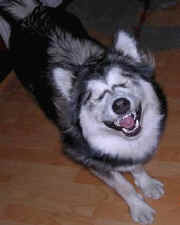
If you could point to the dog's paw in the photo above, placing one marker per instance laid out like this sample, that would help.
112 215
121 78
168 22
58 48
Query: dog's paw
152 188
142 213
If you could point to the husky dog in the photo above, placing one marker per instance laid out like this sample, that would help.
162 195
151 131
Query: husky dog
105 102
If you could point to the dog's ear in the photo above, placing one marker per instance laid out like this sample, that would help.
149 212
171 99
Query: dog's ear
148 65
127 44
63 80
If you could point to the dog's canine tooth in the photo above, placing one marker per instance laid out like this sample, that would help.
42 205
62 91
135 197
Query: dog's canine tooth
117 123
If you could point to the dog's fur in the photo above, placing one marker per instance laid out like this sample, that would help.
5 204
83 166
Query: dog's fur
106 102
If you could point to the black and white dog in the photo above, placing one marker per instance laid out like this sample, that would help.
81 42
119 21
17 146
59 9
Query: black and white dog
106 102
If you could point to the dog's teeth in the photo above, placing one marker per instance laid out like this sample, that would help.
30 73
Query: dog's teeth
117 123
125 130
134 114
137 123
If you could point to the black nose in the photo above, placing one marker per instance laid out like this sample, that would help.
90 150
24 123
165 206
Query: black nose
121 106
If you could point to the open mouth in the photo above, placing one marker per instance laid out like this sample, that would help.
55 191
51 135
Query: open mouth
129 124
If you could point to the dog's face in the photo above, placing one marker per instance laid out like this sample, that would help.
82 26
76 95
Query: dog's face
119 111
117 102
121 114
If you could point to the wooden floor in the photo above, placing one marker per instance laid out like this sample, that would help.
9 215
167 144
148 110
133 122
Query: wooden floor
40 186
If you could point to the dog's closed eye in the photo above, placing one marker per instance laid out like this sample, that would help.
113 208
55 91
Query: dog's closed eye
87 97
103 95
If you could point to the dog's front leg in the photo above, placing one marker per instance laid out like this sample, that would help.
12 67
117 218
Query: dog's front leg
151 187
140 211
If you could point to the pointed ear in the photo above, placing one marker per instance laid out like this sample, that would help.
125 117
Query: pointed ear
63 80
127 45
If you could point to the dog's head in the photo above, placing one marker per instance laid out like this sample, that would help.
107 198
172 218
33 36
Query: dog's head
119 92
118 99
121 113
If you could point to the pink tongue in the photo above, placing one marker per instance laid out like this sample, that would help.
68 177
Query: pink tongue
127 122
